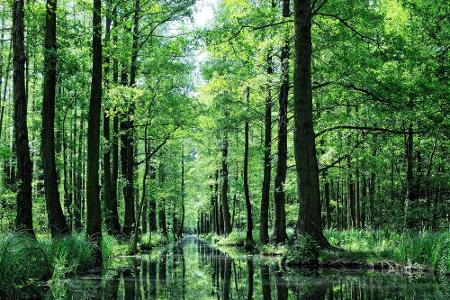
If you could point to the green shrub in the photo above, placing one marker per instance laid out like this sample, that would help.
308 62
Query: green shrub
22 261
150 240
303 251
426 248
235 238
69 254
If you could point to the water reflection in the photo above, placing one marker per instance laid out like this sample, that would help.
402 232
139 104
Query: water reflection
194 270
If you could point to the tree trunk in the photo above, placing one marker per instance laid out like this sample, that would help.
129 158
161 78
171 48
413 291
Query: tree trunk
162 204
350 196
249 243
265 193
217 213
115 137
225 209
279 199
110 203
412 193
94 214
24 217
327 200
68 195
309 221
181 228
127 157
152 204
56 220
127 133
79 179
144 189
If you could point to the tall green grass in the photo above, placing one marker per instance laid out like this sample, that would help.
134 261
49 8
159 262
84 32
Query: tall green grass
431 249
150 240
24 260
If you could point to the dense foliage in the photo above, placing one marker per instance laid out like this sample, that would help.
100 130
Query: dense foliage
284 118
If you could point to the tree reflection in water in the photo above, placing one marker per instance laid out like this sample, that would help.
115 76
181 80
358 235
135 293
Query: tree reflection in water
195 270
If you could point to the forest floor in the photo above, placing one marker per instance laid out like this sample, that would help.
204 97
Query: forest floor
412 252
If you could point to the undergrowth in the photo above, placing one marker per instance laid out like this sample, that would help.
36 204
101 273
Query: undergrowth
151 240
25 260
422 249
426 248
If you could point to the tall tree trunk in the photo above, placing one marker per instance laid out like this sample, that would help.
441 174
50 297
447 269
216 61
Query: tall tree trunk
5 88
128 128
162 204
249 243
224 197
265 193
24 217
350 196
181 228
279 229
56 220
217 213
94 214
115 129
127 157
68 195
327 200
144 190
111 215
412 193
309 221
79 178
152 204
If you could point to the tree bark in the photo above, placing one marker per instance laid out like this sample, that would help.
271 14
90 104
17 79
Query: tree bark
224 196
128 127
94 214
162 204
181 228
115 129
144 189
56 220
249 243
309 221
279 229
24 217
217 212
152 204
265 193
79 179
412 192
111 215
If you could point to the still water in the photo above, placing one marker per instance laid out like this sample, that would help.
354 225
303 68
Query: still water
195 270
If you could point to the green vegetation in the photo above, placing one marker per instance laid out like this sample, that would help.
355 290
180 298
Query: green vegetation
422 251
290 127
25 261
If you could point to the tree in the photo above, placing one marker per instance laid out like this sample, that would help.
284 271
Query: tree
109 174
94 218
24 218
279 199
249 243
56 220
265 192
309 219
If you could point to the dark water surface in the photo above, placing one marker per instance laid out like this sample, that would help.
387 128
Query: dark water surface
194 270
